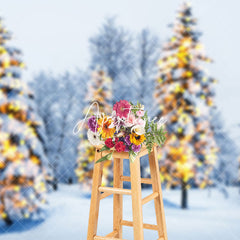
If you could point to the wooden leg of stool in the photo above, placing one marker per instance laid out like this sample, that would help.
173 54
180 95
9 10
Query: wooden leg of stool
136 199
117 198
156 186
95 198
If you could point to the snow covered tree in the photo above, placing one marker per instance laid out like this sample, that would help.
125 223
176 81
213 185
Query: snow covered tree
23 165
99 90
184 93
59 102
147 52
112 51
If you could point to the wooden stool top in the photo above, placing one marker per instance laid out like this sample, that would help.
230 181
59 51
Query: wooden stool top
124 155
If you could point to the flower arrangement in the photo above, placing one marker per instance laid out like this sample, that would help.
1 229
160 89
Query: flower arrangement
126 130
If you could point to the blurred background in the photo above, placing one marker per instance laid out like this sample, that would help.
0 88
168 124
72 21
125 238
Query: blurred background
178 59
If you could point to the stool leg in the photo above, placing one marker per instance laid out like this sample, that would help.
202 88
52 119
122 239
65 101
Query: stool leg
117 198
95 198
136 199
156 186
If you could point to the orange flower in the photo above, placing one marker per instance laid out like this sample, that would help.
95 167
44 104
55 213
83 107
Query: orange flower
104 129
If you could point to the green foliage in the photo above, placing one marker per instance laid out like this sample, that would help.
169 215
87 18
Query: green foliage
132 155
136 107
106 157
153 134
104 148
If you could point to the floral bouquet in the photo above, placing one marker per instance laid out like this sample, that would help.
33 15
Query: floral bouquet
126 130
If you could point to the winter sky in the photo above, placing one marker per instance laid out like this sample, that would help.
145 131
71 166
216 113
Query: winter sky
54 35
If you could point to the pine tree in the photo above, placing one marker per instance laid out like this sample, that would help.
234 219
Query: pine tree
22 161
184 94
99 90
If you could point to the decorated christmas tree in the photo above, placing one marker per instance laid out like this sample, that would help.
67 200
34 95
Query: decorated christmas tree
100 91
22 161
184 93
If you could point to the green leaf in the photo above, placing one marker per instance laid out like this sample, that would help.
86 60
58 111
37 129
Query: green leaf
132 156
147 124
104 148
106 157
145 115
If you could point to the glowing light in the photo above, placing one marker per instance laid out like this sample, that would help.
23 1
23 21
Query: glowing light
4 215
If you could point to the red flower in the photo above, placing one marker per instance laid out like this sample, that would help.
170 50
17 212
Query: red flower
109 143
120 147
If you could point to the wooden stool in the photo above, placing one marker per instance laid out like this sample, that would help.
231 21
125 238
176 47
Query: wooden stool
99 193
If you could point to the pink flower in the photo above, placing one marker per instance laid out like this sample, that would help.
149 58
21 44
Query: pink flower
130 121
122 108
140 113
140 122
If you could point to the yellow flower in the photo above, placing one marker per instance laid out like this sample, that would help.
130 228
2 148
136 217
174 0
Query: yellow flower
137 139
104 129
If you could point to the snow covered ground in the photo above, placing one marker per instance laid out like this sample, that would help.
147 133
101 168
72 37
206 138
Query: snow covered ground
210 216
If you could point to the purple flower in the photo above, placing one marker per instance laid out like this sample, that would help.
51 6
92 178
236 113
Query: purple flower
92 124
126 149
127 140
136 148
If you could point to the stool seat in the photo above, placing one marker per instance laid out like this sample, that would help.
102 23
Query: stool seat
100 192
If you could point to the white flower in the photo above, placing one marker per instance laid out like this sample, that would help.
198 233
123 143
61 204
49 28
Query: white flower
120 134
138 129
114 114
94 138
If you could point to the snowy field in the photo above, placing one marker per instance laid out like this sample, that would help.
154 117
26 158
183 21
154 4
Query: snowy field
210 216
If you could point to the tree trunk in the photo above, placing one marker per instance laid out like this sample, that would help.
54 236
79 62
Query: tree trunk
8 221
70 181
55 184
184 197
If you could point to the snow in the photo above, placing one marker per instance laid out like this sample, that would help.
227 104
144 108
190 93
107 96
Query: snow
210 216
